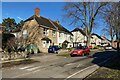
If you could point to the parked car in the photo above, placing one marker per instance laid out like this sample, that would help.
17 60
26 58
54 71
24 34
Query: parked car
108 47
53 49
84 50
90 47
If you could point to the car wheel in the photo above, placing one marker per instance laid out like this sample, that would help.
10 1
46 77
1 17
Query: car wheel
83 54
56 52
88 53
71 55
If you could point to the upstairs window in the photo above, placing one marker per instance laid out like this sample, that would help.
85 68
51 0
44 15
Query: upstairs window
60 34
46 31
53 33
65 36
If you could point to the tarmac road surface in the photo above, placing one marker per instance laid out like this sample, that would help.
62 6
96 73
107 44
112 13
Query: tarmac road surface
58 67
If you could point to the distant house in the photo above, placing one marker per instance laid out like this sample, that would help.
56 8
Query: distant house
79 37
17 33
63 35
45 32
96 40
105 41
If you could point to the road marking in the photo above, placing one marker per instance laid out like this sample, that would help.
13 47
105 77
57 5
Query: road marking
86 69
25 74
33 68
70 64
26 67
79 72
79 65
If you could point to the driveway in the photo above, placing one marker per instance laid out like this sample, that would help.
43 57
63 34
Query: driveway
53 66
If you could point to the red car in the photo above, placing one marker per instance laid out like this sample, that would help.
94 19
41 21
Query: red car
90 47
84 50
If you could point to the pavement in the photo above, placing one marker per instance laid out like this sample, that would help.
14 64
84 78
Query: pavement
52 66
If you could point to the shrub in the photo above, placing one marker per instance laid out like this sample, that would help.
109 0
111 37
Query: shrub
96 47
69 49
64 46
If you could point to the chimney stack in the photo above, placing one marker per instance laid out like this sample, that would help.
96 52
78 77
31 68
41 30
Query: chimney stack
37 12
57 21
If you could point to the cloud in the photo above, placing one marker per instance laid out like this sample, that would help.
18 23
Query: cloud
20 18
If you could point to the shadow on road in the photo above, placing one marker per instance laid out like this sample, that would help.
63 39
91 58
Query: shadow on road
112 63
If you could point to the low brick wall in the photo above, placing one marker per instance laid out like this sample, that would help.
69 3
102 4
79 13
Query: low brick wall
12 55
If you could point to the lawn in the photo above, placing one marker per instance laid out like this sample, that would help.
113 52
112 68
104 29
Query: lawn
109 70
64 55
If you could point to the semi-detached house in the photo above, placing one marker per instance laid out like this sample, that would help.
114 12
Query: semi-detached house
96 40
79 37
45 32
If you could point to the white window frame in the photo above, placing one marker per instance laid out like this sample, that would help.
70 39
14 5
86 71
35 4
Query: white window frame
54 33
60 34
46 31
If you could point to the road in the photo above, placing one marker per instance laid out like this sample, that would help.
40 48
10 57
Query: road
57 67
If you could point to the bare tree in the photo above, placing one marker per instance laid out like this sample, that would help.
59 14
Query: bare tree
83 13
112 15
109 29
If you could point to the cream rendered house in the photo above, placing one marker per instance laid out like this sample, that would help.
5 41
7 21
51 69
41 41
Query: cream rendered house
64 36
79 37
96 40
105 41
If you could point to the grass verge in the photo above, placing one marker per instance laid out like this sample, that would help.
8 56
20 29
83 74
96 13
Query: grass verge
109 70
64 55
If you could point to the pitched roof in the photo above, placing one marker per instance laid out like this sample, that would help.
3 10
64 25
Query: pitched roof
66 41
61 28
48 23
16 30
96 35
104 38
41 21
46 39
78 29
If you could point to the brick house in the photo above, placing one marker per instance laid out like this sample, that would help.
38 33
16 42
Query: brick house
44 32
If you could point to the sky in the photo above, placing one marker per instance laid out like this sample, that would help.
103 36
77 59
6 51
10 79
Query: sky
52 10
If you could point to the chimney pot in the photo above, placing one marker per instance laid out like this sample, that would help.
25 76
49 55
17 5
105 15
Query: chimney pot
57 21
37 12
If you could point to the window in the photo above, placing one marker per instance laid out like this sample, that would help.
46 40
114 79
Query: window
44 42
60 34
60 44
53 33
46 31
25 34
65 36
